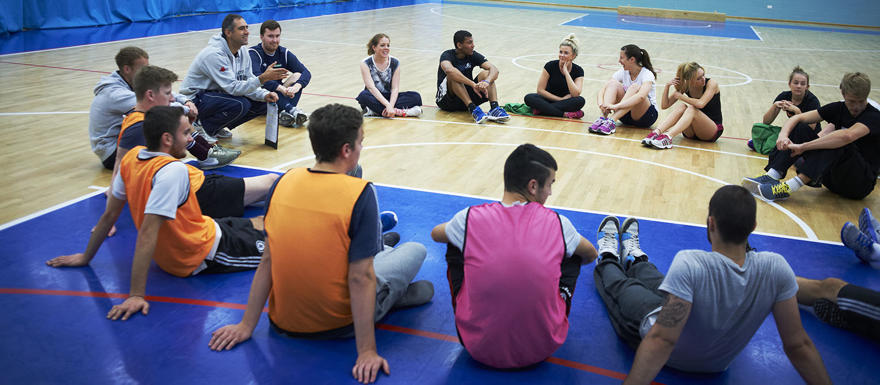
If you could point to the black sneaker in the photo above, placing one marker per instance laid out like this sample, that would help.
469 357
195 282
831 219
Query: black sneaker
417 293
390 239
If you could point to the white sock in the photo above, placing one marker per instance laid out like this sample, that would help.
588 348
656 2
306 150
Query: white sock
774 174
794 183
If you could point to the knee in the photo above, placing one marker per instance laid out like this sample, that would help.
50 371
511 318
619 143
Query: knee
415 250
831 286
531 98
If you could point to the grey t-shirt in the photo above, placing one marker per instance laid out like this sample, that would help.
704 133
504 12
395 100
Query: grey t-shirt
170 187
729 303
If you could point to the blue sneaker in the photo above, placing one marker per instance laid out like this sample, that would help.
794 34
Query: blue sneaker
479 115
751 145
869 225
607 237
753 183
774 191
389 220
498 114
865 248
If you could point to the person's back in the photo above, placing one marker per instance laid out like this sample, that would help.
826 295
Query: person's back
729 304
308 229
511 282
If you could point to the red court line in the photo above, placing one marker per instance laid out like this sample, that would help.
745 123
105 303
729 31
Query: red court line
45 66
238 306
325 95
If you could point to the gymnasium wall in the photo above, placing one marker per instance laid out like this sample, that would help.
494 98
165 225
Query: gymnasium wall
847 12
19 15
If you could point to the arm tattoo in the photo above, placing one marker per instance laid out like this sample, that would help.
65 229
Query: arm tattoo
673 312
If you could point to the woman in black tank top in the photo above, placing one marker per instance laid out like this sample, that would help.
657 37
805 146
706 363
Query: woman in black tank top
699 114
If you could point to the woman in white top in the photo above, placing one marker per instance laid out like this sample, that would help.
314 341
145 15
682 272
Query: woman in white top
629 95
381 73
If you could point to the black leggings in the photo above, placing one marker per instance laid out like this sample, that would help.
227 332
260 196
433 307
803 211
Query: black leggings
546 107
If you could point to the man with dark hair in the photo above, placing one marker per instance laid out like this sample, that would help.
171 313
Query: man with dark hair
161 193
289 91
152 87
706 309
114 97
221 83
844 156
322 233
513 266
459 90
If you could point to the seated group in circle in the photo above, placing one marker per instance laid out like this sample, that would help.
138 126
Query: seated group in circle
327 272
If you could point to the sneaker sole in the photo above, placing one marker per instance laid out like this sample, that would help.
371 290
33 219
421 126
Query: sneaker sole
606 133
481 121
499 120
752 186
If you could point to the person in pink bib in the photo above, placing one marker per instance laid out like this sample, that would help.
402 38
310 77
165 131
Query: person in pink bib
512 267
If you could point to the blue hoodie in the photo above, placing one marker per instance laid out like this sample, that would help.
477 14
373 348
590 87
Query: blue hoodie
216 69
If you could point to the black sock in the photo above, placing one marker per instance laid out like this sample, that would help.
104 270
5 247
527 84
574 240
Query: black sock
471 107
492 105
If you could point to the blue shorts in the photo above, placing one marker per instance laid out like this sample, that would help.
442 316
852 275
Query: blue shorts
649 117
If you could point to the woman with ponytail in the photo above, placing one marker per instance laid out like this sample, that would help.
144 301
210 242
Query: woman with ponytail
560 84
697 117
629 95
381 74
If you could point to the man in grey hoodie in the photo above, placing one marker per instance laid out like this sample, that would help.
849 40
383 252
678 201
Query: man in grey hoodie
221 83
115 98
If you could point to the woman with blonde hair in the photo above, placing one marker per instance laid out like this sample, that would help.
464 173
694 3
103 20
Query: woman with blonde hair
381 74
629 95
560 84
697 117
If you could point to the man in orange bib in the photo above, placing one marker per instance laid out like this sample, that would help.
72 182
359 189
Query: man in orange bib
161 193
322 227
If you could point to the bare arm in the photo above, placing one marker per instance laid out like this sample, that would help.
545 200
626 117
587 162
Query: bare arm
454 74
493 71
362 290
711 90
108 218
542 87
438 234
835 139
655 349
797 344
644 90
586 251
665 100
574 85
782 141
231 335
395 86
772 112
368 83
148 233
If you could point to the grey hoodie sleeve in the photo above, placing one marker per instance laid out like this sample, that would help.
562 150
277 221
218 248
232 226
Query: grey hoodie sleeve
226 80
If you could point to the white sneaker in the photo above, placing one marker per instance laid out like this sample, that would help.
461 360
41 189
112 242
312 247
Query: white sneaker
412 112
369 112
224 133
201 131
300 117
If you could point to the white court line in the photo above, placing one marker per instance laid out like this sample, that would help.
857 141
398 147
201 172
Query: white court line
605 213
756 33
804 227
563 24
610 137
623 20
42 113
47 210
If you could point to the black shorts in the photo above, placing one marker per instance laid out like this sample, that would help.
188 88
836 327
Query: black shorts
719 129
110 161
647 119
241 247
221 196
451 102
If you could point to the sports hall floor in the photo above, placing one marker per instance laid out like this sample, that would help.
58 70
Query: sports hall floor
54 330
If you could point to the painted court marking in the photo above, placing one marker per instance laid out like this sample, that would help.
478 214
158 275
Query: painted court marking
237 306
810 234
